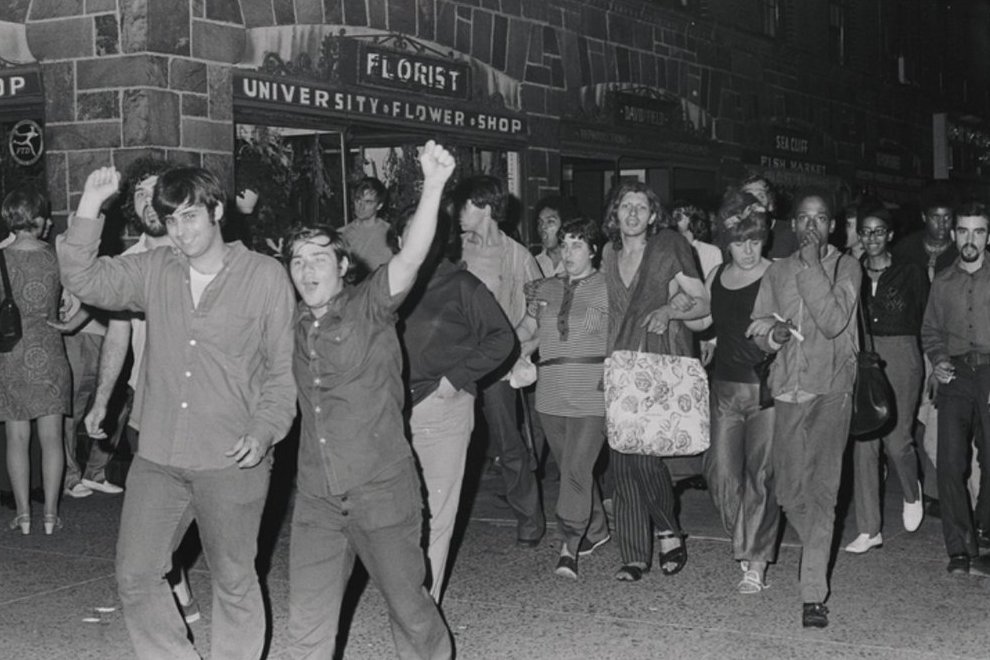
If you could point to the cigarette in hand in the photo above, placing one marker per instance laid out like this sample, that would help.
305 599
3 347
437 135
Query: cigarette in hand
797 335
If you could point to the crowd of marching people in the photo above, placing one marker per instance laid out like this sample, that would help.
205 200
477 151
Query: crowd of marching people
391 337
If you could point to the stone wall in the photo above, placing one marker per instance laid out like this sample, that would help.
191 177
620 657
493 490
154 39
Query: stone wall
127 78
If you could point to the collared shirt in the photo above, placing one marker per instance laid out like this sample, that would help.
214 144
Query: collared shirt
348 366
214 372
504 267
545 262
957 318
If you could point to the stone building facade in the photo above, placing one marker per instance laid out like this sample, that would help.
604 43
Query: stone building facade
689 94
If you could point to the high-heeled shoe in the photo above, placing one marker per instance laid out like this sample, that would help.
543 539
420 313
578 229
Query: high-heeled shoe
23 521
52 522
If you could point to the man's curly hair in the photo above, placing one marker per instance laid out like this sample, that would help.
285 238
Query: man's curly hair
137 172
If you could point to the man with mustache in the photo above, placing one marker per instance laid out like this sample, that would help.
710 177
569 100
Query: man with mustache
955 335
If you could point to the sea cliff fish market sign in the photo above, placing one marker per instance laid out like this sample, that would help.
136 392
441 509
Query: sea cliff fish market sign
308 98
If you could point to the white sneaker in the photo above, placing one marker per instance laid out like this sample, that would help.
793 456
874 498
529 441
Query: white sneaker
863 543
79 490
102 486
913 512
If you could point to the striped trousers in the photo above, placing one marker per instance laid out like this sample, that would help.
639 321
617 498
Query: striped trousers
644 492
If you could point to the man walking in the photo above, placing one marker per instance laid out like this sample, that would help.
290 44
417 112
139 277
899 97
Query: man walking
805 312
505 267
955 335
359 494
217 393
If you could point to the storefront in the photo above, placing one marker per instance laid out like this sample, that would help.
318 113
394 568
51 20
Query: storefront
623 131
792 156
21 128
316 109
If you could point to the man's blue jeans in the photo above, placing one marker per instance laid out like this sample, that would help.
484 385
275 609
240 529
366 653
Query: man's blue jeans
381 523
159 506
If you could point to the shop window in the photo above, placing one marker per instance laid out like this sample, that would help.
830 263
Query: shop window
305 175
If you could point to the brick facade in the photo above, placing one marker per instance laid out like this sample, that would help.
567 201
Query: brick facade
127 77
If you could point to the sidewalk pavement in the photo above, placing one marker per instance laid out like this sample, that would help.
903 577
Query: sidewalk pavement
895 602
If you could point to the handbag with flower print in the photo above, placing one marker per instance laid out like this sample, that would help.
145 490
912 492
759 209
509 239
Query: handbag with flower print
656 405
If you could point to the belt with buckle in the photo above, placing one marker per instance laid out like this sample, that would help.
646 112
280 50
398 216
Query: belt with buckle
974 359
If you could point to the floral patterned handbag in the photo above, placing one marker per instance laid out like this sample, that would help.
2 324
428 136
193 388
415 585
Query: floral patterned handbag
656 405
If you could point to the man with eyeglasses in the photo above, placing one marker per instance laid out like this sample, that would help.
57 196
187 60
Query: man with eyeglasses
805 312
216 392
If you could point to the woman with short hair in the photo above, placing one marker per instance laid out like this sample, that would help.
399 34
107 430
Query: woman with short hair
737 464
36 385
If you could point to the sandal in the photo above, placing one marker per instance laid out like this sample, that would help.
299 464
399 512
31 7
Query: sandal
22 522
673 561
631 573
751 583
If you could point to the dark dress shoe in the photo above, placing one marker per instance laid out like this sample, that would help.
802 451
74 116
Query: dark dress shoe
979 566
958 564
528 543
814 615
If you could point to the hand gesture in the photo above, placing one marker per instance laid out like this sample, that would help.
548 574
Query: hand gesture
68 306
437 164
707 352
94 421
101 185
944 372
682 302
657 320
761 327
248 451
811 246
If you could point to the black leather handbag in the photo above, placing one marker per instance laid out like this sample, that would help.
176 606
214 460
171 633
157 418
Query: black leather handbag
874 409
10 316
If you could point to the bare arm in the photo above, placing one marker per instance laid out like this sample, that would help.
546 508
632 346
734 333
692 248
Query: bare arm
690 302
116 343
705 322
437 165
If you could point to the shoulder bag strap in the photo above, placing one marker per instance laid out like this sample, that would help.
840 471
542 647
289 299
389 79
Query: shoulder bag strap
7 290
862 314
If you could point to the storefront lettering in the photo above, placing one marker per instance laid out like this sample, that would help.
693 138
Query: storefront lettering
19 85
636 115
388 67
376 106
888 161
12 86
414 72
795 145
793 165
